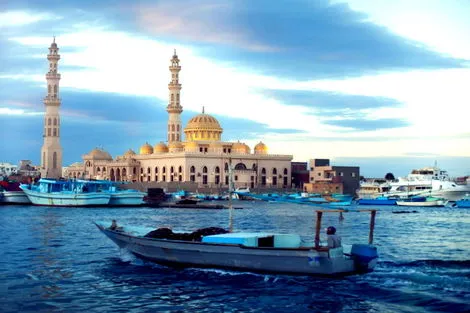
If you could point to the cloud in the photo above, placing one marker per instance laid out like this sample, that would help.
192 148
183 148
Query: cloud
368 125
21 18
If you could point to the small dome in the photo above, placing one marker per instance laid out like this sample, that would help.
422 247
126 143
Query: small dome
146 149
191 146
261 148
129 153
175 146
239 147
203 127
216 146
98 154
160 148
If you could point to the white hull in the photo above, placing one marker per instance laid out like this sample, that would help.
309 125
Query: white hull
68 199
127 199
436 203
304 261
14 197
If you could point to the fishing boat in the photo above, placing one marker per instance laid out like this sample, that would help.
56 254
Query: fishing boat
11 193
463 203
256 252
51 192
423 202
119 196
377 201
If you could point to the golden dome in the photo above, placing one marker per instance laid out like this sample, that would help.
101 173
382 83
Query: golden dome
129 153
146 149
239 147
203 127
160 148
98 154
261 148
175 146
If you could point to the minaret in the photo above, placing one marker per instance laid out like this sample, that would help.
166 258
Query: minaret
51 151
174 107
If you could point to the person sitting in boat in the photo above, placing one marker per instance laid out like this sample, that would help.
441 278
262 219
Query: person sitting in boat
114 226
334 241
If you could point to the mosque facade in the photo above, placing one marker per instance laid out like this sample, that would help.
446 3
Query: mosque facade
202 158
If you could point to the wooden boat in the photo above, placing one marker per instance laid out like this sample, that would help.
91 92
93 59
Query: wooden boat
51 192
256 252
119 196
423 202
11 193
463 203
377 201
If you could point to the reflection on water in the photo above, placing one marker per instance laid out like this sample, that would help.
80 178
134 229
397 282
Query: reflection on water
56 260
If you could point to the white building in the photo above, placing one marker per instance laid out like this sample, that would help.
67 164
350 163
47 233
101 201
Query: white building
7 169
203 158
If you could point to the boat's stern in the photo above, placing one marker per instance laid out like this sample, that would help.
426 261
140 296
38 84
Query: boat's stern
364 256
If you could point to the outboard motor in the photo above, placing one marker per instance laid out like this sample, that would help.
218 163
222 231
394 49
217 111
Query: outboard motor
365 256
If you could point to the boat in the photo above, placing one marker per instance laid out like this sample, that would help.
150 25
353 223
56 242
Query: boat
377 201
464 202
254 252
119 196
372 189
423 202
11 193
242 190
428 181
68 193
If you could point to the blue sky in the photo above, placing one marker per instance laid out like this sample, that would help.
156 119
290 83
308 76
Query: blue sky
380 84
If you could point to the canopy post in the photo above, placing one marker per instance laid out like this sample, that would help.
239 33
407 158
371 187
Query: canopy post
230 194
317 229
372 225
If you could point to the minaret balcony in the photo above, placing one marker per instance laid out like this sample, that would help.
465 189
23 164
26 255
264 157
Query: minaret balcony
52 101
52 75
173 68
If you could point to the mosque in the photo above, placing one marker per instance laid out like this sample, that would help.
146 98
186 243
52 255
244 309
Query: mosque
202 158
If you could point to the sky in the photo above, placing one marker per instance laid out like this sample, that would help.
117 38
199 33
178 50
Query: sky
384 84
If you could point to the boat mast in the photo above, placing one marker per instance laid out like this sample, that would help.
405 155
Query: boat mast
230 189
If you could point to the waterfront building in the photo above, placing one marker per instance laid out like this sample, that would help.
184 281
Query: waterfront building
7 169
327 179
300 174
202 159
51 151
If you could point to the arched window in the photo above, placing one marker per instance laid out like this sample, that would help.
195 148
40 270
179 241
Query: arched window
49 121
217 169
156 170
177 137
178 127
204 169
55 121
263 171
54 132
193 169
285 171
49 89
141 170
172 96
148 170
164 170
173 127
274 171
55 90
98 170
172 169
134 171
180 169
240 166
226 167
178 97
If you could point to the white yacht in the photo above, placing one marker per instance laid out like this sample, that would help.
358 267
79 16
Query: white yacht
429 181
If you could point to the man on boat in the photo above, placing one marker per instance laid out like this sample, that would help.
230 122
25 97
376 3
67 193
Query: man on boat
114 226
334 241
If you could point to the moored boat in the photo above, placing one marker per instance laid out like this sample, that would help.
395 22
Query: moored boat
51 192
463 203
423 202
11 193
119 196
378 201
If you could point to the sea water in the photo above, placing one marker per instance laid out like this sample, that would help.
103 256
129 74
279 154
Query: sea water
56 260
